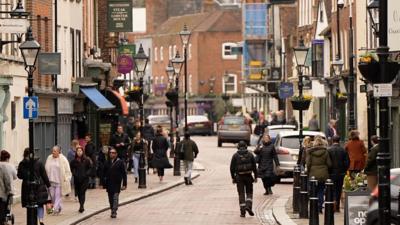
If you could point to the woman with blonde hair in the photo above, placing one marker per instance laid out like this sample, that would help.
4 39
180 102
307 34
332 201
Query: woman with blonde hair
318 163
307 144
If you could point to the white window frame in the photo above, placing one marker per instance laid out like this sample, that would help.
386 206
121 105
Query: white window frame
190 84
224 52
173 51
155 54
234 84
170 52
190 51
161 53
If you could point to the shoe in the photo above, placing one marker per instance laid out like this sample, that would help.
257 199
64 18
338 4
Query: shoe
113 215
242 215
41 223
266 193
242 212
190 182
136 180
186 181
270 191
251 213
81 209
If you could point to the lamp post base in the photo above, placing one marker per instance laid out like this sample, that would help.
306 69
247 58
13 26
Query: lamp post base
177 166
142 172
31 215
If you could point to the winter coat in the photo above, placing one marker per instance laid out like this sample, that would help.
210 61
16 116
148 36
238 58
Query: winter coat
160 147
266 158
5 183
71 155
318 163
91 153
65 173
148 132
243 162
340 160
81 169
372 168
118 139
259 129
115 175
357 153
24 169
131 130
190 149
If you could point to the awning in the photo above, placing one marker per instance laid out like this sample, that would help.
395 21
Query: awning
97 98
118 100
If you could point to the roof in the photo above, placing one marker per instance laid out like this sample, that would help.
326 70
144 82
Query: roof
221 20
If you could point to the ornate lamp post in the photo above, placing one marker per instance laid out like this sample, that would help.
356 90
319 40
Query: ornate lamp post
30 50
169 70
337 67
177 63
185 36
141 60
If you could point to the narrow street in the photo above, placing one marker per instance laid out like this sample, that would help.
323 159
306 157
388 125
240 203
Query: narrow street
211 200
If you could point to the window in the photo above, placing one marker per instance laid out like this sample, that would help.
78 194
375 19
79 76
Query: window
79 53
230 87
227 51
72 41
155 54
190 84
170 52
317 58
173 51
156 80
161 53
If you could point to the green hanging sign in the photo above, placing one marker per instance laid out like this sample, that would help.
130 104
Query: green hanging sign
119 16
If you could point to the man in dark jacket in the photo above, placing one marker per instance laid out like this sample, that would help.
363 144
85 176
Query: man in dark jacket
331 131
115 174
371 169
120 141
91 153
243 165
148 132
340 163
190 152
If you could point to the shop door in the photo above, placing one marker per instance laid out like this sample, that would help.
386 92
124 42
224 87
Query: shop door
43 139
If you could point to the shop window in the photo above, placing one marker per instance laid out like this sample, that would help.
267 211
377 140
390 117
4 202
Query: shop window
317 58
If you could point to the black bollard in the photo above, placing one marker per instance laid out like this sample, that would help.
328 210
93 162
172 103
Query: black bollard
296 189
314 217
398 207
303 207
329 203
142 171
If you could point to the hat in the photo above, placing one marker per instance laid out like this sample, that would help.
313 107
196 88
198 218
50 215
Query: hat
242 145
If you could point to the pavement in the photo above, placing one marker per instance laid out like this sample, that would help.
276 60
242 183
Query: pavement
97 200
283 213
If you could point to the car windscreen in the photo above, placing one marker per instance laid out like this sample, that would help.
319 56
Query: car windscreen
233 121
290 142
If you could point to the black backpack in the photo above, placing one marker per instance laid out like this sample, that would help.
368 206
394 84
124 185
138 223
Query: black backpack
244 163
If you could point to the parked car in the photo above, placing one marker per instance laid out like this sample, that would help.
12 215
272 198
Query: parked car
373 211
162 120
287 147
273 131
197 124
233 129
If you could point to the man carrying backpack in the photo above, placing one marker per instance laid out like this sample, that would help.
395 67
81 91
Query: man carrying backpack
243 165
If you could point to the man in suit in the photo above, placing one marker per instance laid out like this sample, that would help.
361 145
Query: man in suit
115 174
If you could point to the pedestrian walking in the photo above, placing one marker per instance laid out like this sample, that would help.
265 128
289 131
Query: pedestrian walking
255 115
318 163
59 173
24 172
313 124
5 192
260 127
115 176
307 144
357 152
274 119
148 132
267 163
281 117
340 163
243 167
190 151
10 169
160 158
101 162
120 141
331 131
72 150
91 153
293 121
138 147
81 168
371 169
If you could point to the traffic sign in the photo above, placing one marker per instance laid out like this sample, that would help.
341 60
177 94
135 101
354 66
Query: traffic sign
285 90
383 90
31 105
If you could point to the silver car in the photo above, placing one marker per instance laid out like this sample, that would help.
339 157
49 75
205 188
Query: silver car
233 129
287 147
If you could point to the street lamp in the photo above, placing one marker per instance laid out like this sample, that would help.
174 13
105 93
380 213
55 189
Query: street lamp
30 50
177 66
185 36
300 54
141 60
225 97
373 12
169 70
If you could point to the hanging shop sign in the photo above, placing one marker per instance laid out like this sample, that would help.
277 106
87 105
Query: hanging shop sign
119 16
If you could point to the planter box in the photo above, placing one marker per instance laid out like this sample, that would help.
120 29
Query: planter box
371 71
300 105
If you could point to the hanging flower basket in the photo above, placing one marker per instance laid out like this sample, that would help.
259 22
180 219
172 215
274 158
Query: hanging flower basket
341 101
300 104
371 71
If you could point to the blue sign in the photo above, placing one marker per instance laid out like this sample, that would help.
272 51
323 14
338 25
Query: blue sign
285 90
31 105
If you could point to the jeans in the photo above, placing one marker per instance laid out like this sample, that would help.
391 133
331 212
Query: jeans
55 192
40 212
188 165
113 199
135 159
320 192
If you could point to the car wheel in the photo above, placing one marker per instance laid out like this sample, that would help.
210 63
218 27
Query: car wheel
219 143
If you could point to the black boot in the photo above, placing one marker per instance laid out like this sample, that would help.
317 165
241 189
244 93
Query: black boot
81 209
270 190
190 182
242 212
266 191
251 213
186 181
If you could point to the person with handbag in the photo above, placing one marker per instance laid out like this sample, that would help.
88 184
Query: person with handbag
160 159
138 147
81 168
40 174
267 160
187 151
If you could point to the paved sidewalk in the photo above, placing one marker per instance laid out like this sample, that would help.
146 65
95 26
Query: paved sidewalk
283 213
97 200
